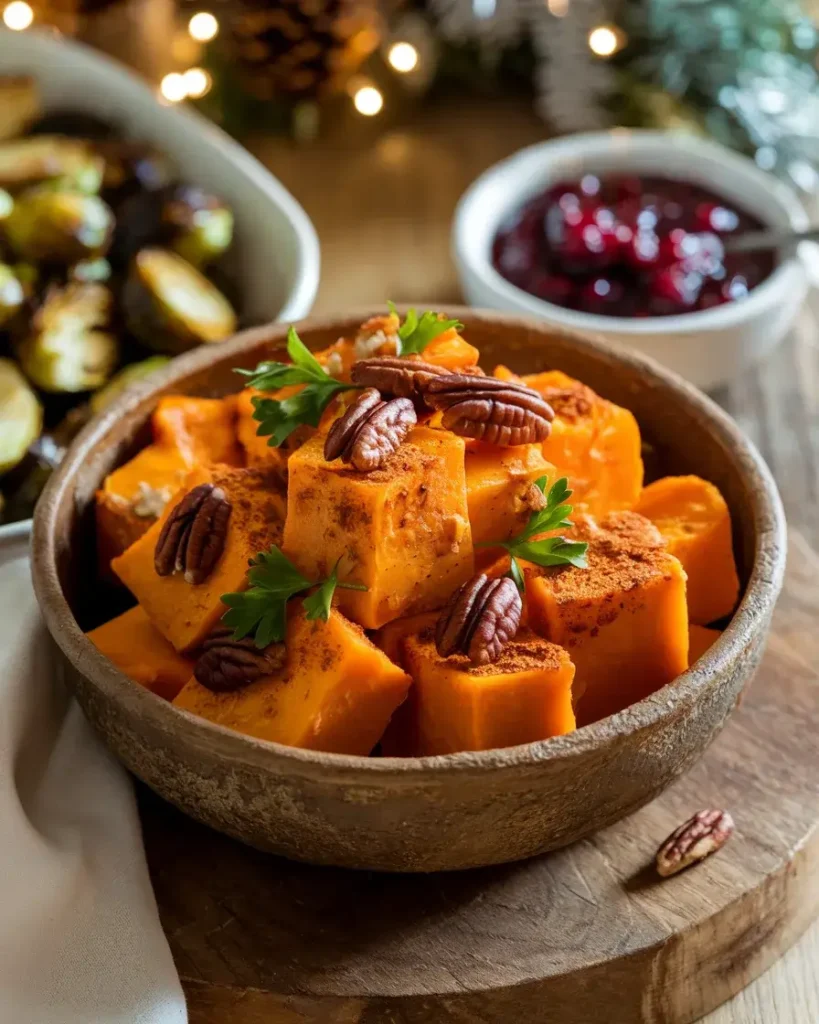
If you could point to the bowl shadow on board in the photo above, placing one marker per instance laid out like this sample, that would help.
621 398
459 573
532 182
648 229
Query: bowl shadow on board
459 811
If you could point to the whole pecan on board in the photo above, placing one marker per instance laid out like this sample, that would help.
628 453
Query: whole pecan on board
226 664
193 537
481 617
370 430
403 377
696 839
501 412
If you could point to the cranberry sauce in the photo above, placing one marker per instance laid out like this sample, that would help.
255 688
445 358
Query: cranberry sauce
629 246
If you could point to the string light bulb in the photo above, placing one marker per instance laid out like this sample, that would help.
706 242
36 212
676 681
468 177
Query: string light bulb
368 100
18 15
173 87
604 41
203 26
403 57
197 82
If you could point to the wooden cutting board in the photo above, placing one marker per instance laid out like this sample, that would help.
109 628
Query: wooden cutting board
588 934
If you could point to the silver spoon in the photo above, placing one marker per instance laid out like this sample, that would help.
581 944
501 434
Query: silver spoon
769 238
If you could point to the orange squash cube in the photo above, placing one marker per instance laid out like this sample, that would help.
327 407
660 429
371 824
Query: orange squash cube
623 620
700 638
186 433
142 653
593 442
184 613
401 530
524 696
450 351
693 517
390 638
336 691
500 490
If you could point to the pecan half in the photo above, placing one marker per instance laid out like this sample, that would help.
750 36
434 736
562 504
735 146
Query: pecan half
370 430
193 537
226 664
393 375
696 839
501 412
480 619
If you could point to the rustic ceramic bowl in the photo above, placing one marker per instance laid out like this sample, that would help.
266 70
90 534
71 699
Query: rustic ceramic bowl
436 813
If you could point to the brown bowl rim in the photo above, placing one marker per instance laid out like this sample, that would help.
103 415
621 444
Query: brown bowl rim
764 582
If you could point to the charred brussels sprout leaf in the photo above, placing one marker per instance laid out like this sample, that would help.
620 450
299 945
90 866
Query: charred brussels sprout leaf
12 293
21 416
132 374
69 348
199 225
170 306
68 163
59 227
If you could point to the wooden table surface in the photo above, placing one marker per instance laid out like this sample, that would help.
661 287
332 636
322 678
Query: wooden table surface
382 207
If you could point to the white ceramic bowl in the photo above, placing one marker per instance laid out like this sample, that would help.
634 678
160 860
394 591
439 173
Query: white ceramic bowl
708 347
276 252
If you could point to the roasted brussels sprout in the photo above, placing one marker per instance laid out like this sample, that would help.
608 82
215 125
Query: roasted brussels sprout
6 204
69 349
171 307
12 293
199 226
91 270
131 167
21 416
126 376
19 104
59 227
70 164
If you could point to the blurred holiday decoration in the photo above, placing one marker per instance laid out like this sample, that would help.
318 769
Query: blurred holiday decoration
744 71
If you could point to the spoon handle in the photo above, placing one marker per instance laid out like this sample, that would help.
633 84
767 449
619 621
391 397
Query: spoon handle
769 239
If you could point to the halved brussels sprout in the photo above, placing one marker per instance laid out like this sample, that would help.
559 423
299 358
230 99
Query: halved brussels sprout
59 227
12 293
72 163
200 226
69 350
21 416
6 204
127 375
91 270
171 307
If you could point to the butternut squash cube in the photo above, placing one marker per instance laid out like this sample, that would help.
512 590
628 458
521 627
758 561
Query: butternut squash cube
524 696
700 638
336 691
184 613
140 651
186 432
694 519
390 638
451 351
623 620
500 490
593 442
402 530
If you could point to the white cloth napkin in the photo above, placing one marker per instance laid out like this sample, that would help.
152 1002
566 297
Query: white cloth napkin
80 939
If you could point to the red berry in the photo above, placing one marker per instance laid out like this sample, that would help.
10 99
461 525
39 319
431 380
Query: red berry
552 288
674 290
643 252
601 295
715 217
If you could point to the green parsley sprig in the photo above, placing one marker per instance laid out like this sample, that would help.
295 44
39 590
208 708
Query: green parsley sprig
415 333
546 551
278 418
261 610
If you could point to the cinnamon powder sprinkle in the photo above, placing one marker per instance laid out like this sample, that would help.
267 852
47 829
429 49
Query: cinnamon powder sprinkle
526 653
572 402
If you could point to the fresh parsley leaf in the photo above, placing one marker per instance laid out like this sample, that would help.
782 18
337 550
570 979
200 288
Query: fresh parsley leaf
318 604
415 333
278 418
261 610
545 551
516 575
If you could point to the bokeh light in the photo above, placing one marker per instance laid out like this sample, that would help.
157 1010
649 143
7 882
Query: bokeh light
603 41
173 87
368 100
203 27
197 82
403 57
18 15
